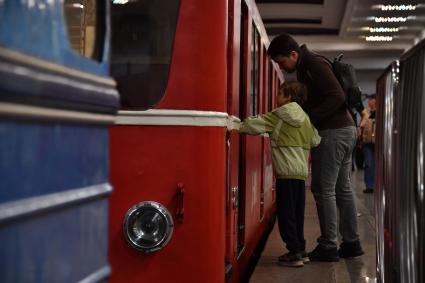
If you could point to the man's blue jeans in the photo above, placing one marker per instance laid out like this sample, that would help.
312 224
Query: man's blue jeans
331 186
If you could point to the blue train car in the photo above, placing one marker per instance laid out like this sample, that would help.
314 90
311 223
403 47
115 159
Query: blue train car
56 103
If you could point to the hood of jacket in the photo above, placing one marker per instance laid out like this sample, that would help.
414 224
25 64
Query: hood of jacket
291 113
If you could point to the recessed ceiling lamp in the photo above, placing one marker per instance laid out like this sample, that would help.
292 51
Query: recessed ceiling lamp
383 29
396 7
390 19
379 38
77 5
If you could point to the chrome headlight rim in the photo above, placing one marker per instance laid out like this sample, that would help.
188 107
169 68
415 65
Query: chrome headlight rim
137 211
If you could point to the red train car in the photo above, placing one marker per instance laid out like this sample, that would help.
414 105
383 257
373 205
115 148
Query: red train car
192 198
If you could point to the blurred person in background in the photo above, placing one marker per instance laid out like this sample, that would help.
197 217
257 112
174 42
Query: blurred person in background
368 138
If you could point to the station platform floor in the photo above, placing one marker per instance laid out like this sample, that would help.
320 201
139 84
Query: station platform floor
358 270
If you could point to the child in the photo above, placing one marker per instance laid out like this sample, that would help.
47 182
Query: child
291 136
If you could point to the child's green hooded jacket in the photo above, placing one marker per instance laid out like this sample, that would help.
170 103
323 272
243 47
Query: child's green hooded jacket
291 135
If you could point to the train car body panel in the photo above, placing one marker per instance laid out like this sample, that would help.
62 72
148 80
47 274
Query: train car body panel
48 245
399 170
155 175
386 154
253 185
81 147
55 105
411 148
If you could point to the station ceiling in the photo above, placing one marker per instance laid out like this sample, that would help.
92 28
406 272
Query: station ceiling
361 29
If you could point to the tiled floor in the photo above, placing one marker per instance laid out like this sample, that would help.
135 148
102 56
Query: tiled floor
360 270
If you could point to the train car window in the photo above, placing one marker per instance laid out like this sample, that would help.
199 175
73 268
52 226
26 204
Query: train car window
1 12
243 113
255 58
85 24
142 39
252 69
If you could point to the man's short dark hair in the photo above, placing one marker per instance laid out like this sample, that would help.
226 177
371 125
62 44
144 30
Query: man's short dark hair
282 45
296 90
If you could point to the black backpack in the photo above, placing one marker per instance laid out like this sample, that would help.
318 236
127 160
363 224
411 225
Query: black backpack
346 76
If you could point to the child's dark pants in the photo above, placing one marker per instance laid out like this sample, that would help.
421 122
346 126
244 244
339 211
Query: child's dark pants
290 201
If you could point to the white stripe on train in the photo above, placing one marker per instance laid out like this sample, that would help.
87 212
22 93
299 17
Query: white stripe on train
168 117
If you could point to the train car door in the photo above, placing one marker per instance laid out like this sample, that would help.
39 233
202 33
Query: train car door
243 92
56 103
250 146
232 143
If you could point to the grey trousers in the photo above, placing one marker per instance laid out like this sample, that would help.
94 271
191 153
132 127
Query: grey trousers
331 186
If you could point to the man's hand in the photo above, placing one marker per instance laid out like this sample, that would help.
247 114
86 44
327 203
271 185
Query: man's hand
359 131
364 116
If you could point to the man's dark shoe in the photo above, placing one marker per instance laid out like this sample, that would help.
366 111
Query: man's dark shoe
368 191
347 250
323 254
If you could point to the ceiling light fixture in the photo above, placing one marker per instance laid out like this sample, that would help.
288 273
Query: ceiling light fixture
78 6
379 38
390 19
397 7
383 29
122 2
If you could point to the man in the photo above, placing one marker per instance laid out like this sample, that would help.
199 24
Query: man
331 160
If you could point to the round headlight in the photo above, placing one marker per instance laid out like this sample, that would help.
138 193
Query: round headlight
148 226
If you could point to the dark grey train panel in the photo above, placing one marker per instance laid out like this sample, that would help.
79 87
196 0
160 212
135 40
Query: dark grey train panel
386 190
399 169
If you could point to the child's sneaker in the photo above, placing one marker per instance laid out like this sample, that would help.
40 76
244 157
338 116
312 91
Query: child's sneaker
291 259
304 257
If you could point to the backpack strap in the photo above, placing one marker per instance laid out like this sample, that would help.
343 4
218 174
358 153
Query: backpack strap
329 61
339 57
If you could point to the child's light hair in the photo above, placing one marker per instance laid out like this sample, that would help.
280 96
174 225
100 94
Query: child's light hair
296 90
